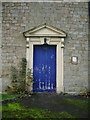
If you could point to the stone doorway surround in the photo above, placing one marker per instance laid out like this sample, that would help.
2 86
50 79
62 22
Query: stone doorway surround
54 36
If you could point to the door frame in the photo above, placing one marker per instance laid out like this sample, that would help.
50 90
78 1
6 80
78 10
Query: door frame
59 42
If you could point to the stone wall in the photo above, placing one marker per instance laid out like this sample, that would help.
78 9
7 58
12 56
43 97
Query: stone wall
45 0
69 17
89 50
0 47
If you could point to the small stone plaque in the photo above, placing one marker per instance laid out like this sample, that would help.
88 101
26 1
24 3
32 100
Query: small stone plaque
74 60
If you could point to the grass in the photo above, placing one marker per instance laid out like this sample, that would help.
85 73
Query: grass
15 110
0 97
8 96
83 104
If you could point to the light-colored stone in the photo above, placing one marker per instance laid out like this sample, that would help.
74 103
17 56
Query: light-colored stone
71 17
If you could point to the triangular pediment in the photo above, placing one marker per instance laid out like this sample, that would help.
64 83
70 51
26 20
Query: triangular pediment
45 30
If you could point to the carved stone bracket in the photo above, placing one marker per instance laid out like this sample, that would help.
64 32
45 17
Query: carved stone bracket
62 42
27 42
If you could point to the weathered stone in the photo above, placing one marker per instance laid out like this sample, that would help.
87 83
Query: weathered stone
69 17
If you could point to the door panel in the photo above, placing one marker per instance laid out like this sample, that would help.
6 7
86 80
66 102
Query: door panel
44 68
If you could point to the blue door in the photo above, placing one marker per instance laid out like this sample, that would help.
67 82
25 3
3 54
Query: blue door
44 68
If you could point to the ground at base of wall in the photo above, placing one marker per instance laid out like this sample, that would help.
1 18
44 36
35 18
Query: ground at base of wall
46 106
